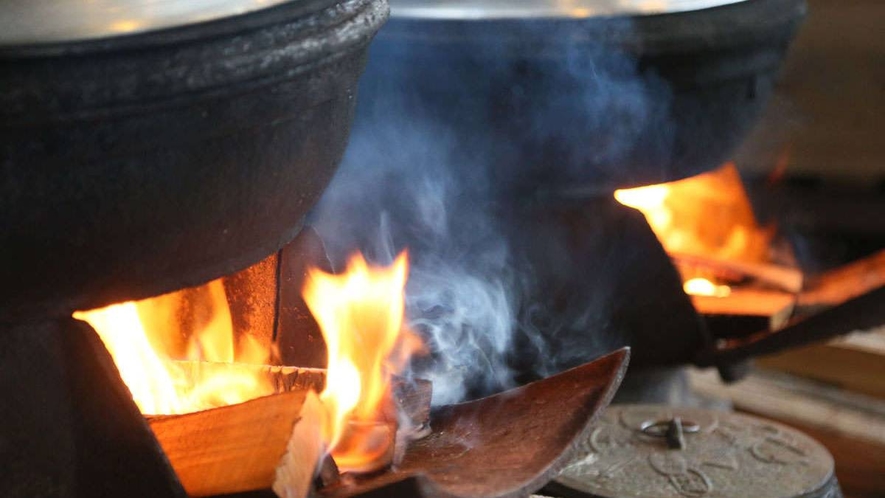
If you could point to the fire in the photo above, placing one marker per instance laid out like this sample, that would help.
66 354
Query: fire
144 338
703 287
708 215
360 313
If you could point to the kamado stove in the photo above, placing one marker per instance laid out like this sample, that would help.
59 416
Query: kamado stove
193 306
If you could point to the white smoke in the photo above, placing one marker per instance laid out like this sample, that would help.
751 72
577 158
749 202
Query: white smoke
406 183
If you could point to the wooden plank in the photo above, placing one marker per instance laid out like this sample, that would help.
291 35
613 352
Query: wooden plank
412 396
851 426
230 449
855 362
747 302
239 447
846 282
779 277
282 378
295 473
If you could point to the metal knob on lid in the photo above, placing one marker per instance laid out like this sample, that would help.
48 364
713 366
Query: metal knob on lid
652 451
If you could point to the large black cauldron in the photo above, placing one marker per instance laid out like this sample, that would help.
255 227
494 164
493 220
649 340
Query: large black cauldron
590 95
135 165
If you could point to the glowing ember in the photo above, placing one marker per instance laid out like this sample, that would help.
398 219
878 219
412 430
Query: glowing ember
144 336
360 313
704 287
707 215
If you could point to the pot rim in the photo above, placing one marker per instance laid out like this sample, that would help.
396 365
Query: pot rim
727 27
101 26
544 9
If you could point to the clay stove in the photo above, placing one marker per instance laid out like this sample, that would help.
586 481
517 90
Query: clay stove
182 168
145 152
146 149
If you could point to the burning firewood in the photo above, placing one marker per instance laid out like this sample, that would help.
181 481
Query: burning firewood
776 276
846 282
774 307
304 451
281 378
233 448
411 396
239 447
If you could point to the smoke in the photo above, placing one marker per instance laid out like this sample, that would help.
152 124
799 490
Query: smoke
399 191
448 139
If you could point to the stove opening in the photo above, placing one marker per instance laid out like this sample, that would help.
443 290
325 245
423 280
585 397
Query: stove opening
182 355
154 340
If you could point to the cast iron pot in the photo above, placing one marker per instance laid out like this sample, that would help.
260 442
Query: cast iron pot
135 165
582 99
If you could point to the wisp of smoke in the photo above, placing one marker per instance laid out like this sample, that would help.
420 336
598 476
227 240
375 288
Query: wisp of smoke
425 174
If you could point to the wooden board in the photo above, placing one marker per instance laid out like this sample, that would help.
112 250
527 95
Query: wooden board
241 447
282 378
777 305
229 449
781 277
295 472
846 282
855 362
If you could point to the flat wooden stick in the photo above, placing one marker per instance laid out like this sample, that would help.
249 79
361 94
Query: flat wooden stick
295 472
780 277
412 396
283 379
846 282
269 441
230 449
747 302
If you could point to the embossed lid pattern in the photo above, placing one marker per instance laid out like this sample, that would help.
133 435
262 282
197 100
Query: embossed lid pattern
725 455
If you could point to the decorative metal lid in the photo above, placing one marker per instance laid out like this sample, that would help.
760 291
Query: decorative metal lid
24 22
510 9
655 451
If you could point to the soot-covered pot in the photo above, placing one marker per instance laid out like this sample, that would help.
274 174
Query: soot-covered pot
146 146
582 96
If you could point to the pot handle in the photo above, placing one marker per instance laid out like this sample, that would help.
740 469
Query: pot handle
860 313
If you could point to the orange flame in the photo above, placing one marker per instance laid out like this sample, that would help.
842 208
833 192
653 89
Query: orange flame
706 215
360 313
192 324
704 287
